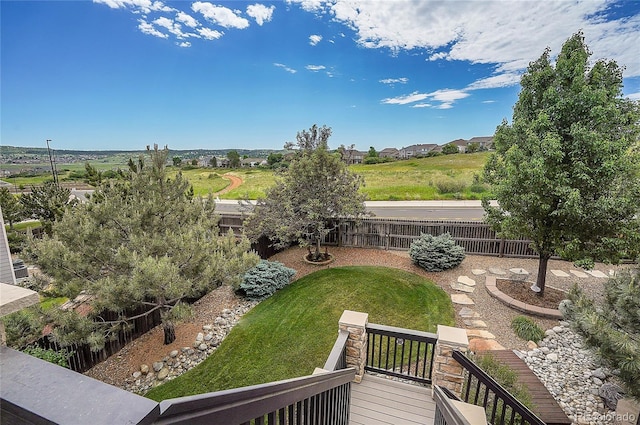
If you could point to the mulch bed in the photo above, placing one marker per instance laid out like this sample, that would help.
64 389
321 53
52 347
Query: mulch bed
521 291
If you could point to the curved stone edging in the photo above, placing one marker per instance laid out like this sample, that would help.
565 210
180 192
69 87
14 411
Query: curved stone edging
319 263
505 299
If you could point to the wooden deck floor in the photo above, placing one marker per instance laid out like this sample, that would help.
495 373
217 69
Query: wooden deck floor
383 401
545 406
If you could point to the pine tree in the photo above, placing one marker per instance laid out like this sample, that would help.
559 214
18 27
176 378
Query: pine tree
142 242
613 328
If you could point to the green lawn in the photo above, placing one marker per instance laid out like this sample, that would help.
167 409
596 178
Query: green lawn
291 333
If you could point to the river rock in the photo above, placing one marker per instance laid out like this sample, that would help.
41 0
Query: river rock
157 366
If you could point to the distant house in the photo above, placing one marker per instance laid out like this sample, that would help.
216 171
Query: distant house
461 144
416 150
353 156
485 143
389 153
253 162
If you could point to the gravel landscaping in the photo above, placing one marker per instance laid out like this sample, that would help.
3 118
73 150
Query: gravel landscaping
119 369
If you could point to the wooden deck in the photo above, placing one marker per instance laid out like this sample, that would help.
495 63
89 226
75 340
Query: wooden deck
545 406
383 401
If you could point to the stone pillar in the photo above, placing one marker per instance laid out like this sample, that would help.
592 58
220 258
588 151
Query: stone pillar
355 323
447 372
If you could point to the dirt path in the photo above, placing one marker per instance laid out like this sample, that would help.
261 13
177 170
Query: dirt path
235 182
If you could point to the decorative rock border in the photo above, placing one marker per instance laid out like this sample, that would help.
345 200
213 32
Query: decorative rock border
319 263
505 299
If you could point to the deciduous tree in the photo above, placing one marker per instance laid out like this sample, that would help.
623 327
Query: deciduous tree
142 242
234 159
309 197
566 170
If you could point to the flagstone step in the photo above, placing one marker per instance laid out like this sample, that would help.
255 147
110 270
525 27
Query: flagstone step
479 344
596 273
496 270
578 273
467 313
559 273
465 280
480 333
462 288
478 272
475 323
462 299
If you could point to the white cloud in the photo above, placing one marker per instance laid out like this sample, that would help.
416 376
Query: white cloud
488 101
315 39
209 34
404 100
309 5
506 34
260 13
315 68
173 27
446 97
187 19
285 67
144 6
633 96
495 81
184 44
148 28
402 80
219 15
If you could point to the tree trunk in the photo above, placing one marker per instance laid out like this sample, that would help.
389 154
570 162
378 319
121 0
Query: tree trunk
317 255
169 332
542 273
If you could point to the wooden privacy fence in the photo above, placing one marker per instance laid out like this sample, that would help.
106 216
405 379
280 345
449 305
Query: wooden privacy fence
83 359
398 234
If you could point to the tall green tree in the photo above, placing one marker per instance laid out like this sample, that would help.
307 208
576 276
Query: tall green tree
234 159
46 203
309 197
145 241
565 172
372 152
449 149
11 208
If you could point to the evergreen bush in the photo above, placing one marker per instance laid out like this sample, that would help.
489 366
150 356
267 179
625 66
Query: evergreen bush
612 327
265 279
436 253
527 329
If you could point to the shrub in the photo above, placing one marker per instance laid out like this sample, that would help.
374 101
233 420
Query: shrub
265 279
436 253
527 329
449 186
23 327
505 376
59 358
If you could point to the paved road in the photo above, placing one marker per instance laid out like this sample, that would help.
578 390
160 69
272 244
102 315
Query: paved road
432 210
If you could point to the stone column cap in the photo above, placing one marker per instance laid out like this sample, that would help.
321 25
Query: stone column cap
354 318
452 336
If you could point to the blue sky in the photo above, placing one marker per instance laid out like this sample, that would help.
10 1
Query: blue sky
123 74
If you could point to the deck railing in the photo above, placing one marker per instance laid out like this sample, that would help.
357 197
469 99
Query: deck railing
337 359
320 399
403 353
446 412
482 390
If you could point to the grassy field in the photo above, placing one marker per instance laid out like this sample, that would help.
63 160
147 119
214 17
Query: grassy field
291 333
440 177
204 180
